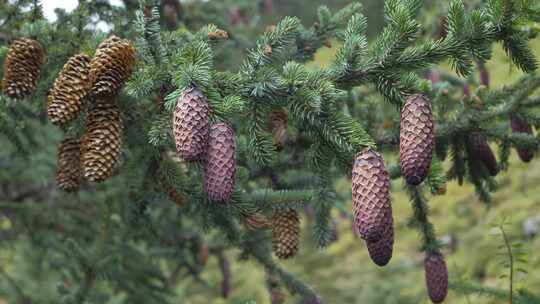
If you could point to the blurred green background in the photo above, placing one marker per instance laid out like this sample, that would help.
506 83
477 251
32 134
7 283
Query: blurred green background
343 273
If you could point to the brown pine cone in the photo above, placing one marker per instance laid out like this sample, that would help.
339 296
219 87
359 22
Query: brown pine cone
225 268
257 221
381 250
202 254
111 66
191 124
370 195
68 172
285 233
521 126
436 277
102 141
480 151
417 139
22 68
277 123
70 88
220 163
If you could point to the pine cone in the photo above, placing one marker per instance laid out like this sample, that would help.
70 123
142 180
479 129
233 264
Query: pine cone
257 221
371 195
70 87
481 152
277 123
381 250
417 139
202 254
436 277
220 163
191 124
102 141
22 67
112 65
285 233
521 126
225 268
173 194
68 174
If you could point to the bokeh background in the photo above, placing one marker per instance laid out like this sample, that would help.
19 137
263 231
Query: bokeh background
343 273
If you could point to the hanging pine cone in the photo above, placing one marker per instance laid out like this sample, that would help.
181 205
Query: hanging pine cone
191 124
257 221
417 139
436 277
220 163
285 233
521 126
173 194
102 141
68 174
277 123
381 251
481 152
70 87
225 268
22 67
371 195
111 66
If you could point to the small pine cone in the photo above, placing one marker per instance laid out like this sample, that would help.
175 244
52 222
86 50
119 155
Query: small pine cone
436 277
225 268
334 232
370 195
521 126
381 250
111 66
277 123
276 296
417 139
257 221
22 67
202 254
191 124
313 300
220 163
285 233
175 196
70 87
481 152
68 174
102 141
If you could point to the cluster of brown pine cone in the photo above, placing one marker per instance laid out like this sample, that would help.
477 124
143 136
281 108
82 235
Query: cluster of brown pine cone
95 81
83 80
